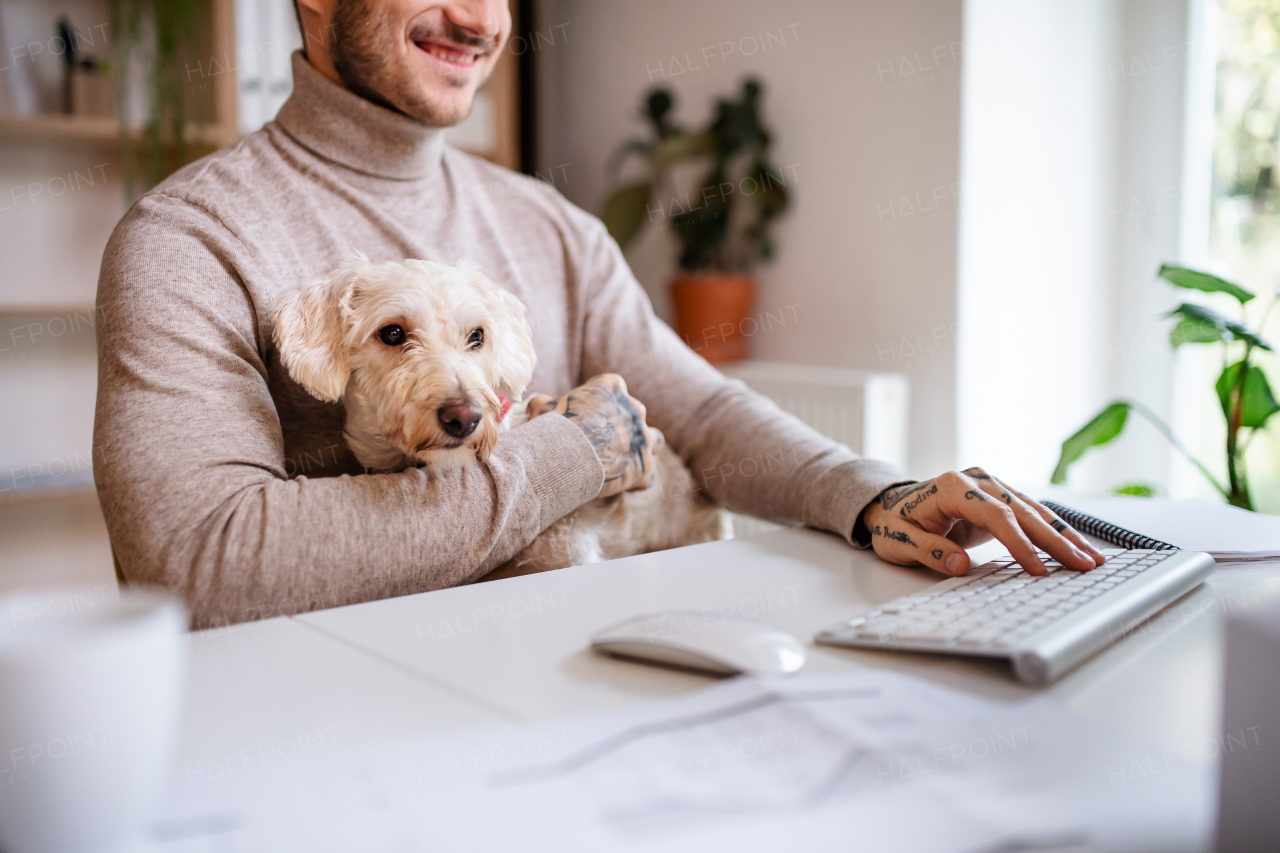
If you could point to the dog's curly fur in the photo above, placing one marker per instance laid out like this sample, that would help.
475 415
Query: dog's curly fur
327 335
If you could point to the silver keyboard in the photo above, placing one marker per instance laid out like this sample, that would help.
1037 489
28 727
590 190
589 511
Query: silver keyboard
1044 625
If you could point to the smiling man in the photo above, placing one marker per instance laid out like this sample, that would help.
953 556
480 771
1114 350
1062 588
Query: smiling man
223 480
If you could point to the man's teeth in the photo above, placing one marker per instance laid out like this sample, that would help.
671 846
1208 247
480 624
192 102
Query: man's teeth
449 55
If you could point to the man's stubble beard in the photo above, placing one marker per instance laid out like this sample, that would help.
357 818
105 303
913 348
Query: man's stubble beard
366 54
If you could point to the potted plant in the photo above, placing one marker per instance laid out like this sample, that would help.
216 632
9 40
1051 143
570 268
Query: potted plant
1243 391
722 227
156 34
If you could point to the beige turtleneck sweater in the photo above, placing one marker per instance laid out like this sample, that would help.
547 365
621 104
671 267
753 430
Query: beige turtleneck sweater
224 481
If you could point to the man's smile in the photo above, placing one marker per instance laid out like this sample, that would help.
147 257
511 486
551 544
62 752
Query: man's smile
450 54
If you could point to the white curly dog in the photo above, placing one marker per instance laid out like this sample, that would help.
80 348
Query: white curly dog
430 362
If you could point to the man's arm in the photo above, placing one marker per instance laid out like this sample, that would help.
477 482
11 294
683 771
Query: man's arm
189 453
756 459
742 449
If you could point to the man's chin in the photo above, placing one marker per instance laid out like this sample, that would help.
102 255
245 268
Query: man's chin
447 109
446 98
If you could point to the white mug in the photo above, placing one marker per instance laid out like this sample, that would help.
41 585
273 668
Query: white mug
91 689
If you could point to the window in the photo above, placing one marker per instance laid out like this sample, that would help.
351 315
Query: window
1244 229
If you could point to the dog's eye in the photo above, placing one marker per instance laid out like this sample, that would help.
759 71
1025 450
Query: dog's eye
392 336
476 339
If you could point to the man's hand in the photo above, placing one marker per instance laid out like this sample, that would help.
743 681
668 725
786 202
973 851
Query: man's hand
931 523
613 421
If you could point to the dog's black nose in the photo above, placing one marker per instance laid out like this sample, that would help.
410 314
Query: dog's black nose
459 419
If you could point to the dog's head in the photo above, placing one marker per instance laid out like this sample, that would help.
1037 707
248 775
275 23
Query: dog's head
422 349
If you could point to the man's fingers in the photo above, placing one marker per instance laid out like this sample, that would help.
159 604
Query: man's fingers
1066 530
908 545
540 404
941 554
608 380
656 440
975 505
1039 530
897 542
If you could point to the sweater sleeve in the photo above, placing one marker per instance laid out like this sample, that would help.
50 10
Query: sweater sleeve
189 454
743 450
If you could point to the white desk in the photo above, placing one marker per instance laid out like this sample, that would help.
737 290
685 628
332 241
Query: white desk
515 650
266 691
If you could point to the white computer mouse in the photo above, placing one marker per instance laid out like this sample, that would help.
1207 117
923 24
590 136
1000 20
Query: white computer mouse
705 641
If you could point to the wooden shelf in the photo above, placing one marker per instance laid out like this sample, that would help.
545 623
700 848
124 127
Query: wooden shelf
10 310
46 497
57 128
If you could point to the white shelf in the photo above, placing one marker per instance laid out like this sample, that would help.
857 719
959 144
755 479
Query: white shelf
68 129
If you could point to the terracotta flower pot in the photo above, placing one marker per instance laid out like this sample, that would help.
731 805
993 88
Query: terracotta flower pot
710 310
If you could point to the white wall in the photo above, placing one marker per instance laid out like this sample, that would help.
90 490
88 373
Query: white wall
1155 53
58 205
868 253
1072 175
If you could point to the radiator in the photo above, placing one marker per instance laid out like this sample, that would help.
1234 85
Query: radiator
862 410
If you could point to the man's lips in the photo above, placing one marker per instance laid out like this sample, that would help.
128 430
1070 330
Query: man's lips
453 55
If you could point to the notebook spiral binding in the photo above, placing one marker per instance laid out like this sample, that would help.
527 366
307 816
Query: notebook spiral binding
1107 531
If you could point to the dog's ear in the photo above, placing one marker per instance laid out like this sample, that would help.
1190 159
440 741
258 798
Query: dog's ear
310 330
514 358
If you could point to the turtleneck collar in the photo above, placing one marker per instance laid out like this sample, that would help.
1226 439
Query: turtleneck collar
341 126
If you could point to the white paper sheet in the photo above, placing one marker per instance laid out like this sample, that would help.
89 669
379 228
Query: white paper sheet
1227 532
864 761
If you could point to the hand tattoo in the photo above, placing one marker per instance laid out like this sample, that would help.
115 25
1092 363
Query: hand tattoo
890 498
975 494
977 474
937 553
1058 525
605 413
1005 497
896 535
614 424
917 500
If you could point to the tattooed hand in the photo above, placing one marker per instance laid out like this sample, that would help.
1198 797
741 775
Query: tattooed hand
613 421
931 523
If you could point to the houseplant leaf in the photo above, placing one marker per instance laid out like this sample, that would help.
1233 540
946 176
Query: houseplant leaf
771 193
1196 280
1203 325
1258 401
702 229
681 147
632 146
1107 425
625 210
1191 332
1135 490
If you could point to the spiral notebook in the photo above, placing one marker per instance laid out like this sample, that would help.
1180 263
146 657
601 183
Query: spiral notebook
1228 534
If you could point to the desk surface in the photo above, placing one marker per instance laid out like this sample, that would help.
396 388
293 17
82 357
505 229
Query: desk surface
516 650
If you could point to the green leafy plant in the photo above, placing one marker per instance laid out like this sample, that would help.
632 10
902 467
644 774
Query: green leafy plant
1243 392
156 33
725 224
